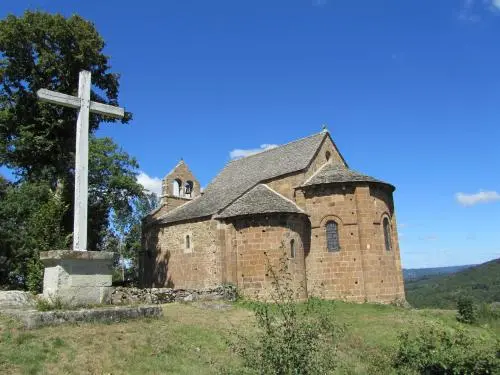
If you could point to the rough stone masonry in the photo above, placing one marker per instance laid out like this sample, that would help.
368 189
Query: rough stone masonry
335 227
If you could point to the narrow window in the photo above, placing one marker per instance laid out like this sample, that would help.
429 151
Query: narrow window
188 242
292 248
332 236
387 234
327 155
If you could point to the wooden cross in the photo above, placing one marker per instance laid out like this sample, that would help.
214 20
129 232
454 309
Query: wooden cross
84 106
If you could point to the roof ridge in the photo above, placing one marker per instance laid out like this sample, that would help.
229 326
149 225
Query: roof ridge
178 208
283 197
176 166
315 173
280 146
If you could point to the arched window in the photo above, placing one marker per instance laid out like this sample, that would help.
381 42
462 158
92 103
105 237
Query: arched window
332 236
292 248
177 188
327 155
188 188
188 242
387 234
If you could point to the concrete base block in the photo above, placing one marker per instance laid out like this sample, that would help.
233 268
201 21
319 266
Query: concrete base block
78 277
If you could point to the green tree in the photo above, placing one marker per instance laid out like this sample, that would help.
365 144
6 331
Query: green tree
127 233
37 140
112 187
30 217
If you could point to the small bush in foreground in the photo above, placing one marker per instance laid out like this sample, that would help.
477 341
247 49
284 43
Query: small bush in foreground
466 311
291 339
436 350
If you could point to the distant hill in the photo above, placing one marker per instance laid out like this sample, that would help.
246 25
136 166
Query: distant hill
418 273
481 282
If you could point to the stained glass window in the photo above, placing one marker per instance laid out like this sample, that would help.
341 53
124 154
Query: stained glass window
332 236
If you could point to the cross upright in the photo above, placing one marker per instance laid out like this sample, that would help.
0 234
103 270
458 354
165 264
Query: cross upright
84 106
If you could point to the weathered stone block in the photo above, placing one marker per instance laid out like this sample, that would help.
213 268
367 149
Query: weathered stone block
78 277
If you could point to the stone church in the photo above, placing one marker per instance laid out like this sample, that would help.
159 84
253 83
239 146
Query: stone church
336 227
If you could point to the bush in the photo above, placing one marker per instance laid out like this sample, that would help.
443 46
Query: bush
292 338
50 304
466 310
436 350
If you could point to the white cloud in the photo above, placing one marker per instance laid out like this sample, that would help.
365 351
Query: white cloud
241 153
480 197
152 184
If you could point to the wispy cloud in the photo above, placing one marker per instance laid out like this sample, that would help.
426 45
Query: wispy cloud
151 184
480 197
474 10
241 153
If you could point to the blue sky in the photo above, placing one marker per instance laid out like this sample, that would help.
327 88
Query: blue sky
410 91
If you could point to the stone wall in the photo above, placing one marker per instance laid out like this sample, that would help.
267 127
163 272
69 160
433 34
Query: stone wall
170 261
383 273
339 274
263 240
127 296
362 270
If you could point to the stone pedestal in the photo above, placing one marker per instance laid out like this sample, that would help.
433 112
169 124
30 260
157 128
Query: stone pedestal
77 277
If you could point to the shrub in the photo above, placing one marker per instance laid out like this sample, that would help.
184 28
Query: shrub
466 310
488 313
50 304
292 338
437 350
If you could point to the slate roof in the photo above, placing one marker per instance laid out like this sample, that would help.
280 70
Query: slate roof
336 173
241 175
259 200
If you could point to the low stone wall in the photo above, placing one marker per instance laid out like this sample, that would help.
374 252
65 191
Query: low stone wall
34 319
127 296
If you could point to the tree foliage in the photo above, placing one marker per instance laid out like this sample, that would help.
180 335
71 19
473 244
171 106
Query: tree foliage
481 283
436 349
40 50
37 142
30 217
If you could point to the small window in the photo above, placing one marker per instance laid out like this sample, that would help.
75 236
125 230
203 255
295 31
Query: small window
332 236
327 155
387 234
292 248
188 242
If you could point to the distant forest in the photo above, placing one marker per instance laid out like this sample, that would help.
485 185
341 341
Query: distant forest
428 290
419 273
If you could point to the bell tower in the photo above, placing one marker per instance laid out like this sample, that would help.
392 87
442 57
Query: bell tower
178 187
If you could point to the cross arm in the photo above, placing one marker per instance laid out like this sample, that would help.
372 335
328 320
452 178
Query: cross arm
55 97
107 110
70 101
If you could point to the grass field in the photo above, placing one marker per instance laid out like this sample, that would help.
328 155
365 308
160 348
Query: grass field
191 339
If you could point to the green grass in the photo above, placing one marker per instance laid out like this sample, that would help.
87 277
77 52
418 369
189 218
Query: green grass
192 340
